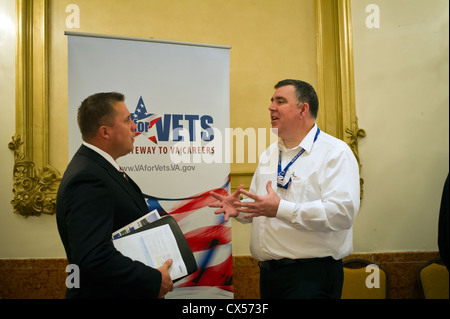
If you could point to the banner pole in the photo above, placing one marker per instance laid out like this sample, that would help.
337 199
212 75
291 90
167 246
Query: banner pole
106 36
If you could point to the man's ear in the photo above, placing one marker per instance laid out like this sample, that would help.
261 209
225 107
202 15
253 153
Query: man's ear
304 111
103 132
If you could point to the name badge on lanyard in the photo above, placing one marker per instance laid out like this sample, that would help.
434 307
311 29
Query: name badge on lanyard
282 173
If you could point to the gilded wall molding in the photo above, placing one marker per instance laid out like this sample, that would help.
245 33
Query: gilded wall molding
336 88
238 178
34 180
34 189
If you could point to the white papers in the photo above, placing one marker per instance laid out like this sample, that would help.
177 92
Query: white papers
153 247
147 219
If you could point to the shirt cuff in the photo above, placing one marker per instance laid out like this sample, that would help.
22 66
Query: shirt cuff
285 211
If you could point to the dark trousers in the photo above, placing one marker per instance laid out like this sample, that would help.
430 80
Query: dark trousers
314 278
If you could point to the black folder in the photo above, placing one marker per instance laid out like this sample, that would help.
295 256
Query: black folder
183 246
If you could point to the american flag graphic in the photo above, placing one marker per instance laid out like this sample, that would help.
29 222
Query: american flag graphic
209 237
141 114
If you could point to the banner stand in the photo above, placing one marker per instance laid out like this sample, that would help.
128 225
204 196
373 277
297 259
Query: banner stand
178 96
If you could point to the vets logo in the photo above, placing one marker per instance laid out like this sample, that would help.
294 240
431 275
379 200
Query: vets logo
170 127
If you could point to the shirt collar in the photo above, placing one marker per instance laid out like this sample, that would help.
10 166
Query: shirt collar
105 155
306 143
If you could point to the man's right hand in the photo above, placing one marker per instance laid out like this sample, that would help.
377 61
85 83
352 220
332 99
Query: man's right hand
227 205
166 281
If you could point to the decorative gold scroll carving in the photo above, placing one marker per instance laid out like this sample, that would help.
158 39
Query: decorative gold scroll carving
353 135
34 189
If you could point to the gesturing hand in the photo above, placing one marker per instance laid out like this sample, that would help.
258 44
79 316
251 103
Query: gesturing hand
266 205
227 204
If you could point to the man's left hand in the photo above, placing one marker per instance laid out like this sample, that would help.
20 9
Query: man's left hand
266 205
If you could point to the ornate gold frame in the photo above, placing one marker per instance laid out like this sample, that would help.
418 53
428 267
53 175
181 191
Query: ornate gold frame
336 88
36 181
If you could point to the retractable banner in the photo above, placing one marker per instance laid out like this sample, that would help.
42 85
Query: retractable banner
178 96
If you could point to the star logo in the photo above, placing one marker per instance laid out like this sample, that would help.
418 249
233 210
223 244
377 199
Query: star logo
141 115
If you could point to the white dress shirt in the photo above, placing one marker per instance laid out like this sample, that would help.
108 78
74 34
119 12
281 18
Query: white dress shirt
316 212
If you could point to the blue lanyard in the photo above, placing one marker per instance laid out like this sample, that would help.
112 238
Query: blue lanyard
282 173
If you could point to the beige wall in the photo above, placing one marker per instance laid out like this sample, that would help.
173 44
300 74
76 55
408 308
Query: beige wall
401 100
401 85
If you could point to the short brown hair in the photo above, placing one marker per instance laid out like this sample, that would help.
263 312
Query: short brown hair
97 110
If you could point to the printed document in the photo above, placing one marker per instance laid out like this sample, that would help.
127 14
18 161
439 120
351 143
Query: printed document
153 247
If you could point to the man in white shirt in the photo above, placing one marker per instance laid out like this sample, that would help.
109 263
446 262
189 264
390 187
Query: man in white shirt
302 201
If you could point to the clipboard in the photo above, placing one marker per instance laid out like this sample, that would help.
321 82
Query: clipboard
183 246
